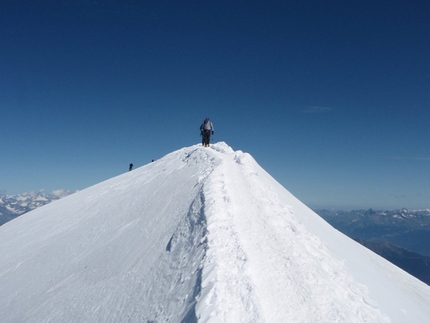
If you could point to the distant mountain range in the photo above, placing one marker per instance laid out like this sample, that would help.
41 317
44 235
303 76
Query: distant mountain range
411 262
12 206
401 236
404 228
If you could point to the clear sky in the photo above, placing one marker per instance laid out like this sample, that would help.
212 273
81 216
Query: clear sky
331 97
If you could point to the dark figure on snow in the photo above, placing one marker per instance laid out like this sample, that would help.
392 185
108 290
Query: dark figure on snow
206 129
131 167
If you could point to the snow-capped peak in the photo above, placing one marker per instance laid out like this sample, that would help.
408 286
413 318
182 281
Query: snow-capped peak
201 235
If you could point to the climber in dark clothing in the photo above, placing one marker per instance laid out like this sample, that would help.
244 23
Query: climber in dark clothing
206 129
130 167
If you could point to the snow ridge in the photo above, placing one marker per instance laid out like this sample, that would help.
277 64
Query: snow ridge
266 248
201 235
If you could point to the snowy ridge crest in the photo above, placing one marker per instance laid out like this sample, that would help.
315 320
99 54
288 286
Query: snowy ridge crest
254 270
201 235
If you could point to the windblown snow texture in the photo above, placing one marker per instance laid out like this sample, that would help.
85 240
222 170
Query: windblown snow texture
201 235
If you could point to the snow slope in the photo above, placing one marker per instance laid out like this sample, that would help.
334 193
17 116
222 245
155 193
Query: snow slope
201 235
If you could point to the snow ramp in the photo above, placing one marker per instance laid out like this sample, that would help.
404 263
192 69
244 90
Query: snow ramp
201 235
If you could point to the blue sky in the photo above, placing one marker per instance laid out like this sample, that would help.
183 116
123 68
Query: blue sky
332 98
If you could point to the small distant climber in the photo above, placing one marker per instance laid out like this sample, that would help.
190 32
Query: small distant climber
206 129
131 167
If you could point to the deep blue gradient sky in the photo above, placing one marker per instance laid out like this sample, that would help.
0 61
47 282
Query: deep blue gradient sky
332 98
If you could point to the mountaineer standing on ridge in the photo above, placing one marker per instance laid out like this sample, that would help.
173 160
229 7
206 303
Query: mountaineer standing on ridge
206 129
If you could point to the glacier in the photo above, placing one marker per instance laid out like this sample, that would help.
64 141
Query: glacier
200 235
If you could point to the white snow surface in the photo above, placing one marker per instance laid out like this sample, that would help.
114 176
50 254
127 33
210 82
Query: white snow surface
201 235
